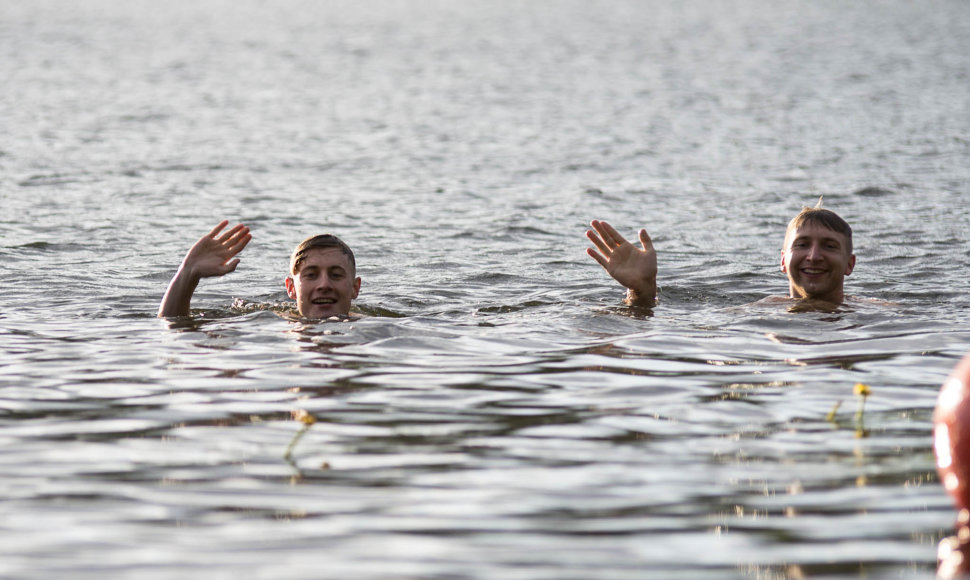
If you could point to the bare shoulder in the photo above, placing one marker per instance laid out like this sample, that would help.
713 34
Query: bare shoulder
773 301
766 303
864 301
851 303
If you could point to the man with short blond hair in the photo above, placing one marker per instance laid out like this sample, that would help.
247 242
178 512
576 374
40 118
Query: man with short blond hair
816 257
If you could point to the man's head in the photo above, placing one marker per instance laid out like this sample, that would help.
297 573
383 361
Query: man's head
323 277
817 255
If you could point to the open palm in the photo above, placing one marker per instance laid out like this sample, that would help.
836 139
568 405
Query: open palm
634 268
214 254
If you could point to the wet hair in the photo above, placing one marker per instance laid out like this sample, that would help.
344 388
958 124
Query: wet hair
822 217
319 242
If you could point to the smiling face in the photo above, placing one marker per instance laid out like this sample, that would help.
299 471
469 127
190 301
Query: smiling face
816 260
324 285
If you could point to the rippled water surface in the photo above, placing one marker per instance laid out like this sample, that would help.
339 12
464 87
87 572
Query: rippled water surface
501 414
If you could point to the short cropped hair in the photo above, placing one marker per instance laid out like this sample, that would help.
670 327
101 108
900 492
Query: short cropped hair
322 242
822 217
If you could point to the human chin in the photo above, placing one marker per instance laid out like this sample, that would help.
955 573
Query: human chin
822 289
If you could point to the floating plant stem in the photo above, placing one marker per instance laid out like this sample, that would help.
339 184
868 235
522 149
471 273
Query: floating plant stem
308 420
835 409
863 391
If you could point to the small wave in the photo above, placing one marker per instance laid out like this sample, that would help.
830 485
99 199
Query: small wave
873 192
52 179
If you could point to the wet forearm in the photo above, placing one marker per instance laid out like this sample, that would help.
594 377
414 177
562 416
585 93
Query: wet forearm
643 295
178 297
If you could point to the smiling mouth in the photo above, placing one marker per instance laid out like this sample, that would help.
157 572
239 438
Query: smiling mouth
812 271
324 301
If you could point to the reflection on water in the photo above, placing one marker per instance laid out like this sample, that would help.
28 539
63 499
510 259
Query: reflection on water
496 412
450 444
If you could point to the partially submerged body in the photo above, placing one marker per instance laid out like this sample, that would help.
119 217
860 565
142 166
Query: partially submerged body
322 279
848 304
213 255
635 269
286 309
816 258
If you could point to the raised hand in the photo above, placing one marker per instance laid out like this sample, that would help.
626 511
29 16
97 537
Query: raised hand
213 255
634 268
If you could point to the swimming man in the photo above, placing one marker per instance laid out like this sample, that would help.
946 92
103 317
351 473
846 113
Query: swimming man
322 280
816 257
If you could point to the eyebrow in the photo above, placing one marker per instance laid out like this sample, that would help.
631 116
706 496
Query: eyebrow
824 239
315 268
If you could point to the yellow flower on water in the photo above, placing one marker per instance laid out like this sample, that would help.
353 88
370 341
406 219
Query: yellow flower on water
308 420
863 391
304 417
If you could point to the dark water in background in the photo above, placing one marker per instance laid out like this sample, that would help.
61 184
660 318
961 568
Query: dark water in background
516 421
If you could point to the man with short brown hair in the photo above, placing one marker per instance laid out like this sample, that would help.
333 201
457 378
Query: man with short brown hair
322 280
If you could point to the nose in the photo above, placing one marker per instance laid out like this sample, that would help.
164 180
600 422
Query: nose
323 282
814 252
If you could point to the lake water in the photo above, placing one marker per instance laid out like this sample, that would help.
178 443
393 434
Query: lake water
503 415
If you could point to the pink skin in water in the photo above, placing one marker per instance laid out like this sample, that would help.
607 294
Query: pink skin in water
951 442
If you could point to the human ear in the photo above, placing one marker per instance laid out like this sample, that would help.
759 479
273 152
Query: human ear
356 287
290 287
850 265
784 266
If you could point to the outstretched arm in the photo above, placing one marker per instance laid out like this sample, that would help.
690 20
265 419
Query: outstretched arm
213 255
636 269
